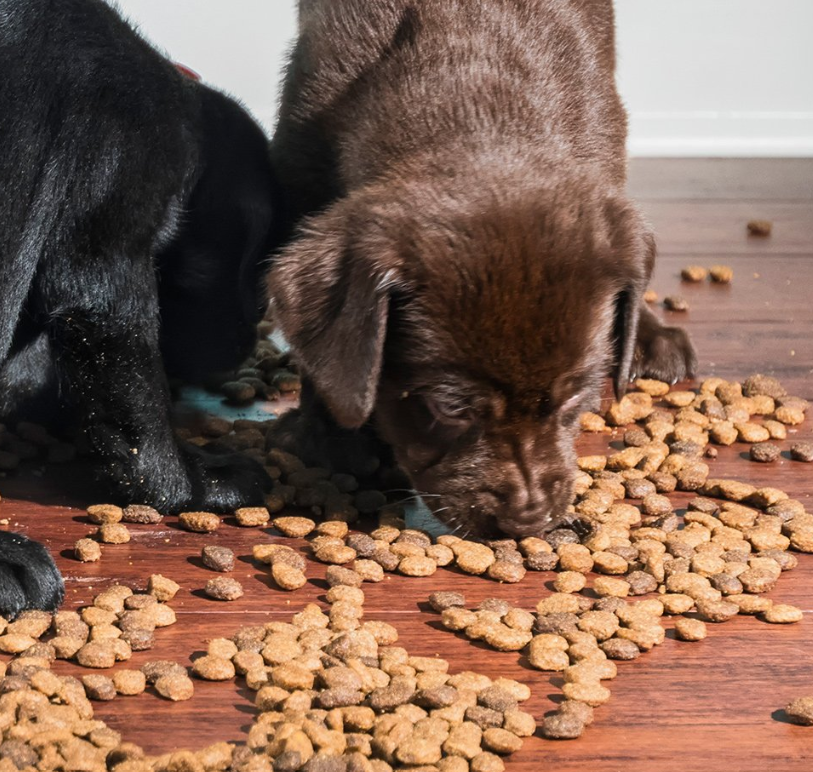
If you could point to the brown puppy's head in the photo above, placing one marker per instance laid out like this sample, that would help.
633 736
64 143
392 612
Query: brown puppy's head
475 335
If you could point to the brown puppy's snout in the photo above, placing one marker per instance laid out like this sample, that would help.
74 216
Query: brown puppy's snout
533 504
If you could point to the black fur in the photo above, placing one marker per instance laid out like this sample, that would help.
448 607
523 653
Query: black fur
28 576
135 213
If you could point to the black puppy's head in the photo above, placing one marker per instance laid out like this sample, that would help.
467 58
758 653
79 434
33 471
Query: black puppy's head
209 275
475 329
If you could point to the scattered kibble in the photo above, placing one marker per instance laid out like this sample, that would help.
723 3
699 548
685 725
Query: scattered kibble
693 273
800 711
675 303
87 551
224 588
760 227
217 558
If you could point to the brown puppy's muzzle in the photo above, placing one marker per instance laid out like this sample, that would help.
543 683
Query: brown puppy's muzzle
502 486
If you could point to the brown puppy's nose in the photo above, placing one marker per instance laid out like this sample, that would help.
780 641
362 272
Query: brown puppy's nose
533 506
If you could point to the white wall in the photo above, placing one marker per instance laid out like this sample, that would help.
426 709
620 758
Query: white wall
700 77
717 77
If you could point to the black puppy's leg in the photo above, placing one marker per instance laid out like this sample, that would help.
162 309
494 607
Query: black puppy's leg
29 578
664 353
105 329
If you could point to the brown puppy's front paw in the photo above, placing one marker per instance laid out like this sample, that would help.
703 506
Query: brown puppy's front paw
664 353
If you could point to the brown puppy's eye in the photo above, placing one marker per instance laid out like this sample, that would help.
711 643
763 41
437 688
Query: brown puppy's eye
450 412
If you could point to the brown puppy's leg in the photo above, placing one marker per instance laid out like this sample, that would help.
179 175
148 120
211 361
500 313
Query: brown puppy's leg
661 352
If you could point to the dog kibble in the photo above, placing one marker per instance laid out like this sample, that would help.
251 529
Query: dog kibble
175 687
224 588
113 533
141 513
199 522
687 629
294 527
693 273
252 517
162 588
721 274
217 558
675 303
97 654
288 577
760 227
562 726
87 551
129 682
782 614
213 668
765 452
802 451
104 513
800 711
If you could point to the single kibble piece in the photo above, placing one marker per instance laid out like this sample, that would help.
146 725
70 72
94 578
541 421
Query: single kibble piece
237 392
295 527
87 551
104 513
675 303
690 629
175 687
693 273
288 577
99 687
721 274
800 711
97 654
141 513
760 227
782 614
199 522
252 516
650 296
443 600
212 668
224 588
129 682
162 588
217 558
765 452
113 533
802 451
562 726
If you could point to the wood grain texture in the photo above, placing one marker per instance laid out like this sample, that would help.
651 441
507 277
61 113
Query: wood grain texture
702 706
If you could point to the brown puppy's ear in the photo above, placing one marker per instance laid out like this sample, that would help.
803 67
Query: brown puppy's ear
331 294
634 251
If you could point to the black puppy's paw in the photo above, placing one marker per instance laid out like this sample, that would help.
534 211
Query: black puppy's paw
664 353
29 578
225 481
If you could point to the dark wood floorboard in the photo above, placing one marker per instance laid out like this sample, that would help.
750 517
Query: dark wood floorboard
682 708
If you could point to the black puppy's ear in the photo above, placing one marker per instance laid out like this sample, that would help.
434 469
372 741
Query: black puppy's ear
331 295
634 251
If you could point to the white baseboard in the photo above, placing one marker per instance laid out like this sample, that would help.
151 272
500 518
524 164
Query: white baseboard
720 134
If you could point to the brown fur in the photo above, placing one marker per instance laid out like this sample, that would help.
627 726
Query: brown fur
470 266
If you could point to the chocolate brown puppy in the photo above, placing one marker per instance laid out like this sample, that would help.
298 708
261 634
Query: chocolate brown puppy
464 266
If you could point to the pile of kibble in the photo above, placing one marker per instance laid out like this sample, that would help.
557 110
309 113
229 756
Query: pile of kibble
333 693
267 374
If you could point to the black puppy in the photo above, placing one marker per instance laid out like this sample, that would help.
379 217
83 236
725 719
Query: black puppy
136 211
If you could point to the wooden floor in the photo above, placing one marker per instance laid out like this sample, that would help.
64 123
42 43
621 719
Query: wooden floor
703 706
